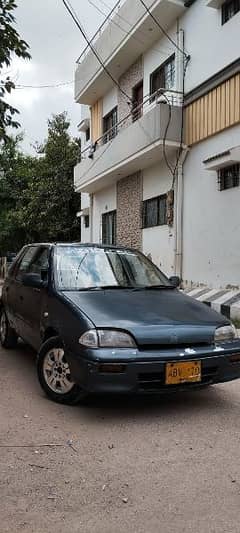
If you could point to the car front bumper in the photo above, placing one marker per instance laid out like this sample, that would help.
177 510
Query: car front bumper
128 371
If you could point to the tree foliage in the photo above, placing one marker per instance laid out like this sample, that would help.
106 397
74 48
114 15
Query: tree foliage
10 43
37 193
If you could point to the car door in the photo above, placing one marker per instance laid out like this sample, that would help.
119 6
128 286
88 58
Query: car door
8 295
14 290
33 298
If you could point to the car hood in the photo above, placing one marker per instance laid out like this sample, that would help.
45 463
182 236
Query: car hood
151 316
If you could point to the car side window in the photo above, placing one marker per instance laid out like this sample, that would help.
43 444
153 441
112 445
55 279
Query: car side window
40 264
24 265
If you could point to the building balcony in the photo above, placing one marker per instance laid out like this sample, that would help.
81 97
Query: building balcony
126 36
127 149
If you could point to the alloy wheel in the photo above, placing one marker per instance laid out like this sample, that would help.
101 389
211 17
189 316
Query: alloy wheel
56 371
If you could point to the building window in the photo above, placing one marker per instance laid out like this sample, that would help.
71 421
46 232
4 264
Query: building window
109 227
110 125
228 177
137 99
229 9
87 133
86 221
155 211
163 77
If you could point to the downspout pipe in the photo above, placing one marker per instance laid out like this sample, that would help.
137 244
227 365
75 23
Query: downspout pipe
179 182
179 191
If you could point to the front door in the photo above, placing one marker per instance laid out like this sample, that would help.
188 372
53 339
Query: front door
15 294
28 300
34 298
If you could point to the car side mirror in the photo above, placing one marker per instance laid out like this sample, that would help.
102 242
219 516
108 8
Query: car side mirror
33 280
175 281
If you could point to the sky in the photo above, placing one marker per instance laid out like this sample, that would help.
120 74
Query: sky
55 43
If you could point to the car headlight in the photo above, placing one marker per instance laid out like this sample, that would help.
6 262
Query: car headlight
225 333
107 338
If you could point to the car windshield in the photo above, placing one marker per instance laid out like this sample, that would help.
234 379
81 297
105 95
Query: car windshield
82 268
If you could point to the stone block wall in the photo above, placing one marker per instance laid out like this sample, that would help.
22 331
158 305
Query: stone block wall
127 82
129 211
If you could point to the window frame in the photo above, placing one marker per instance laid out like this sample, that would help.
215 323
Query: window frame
110 133
38 250
105 218
225 180
160 221
160 71
16 271
227 5
86 221
39 253
137 113
88 134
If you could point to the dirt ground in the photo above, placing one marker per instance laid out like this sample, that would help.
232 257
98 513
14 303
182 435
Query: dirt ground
147 465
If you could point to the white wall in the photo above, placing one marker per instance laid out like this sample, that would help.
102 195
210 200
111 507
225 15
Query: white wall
157 55
158 241
110 101
85 232
85 200
211 45
103 201
211 220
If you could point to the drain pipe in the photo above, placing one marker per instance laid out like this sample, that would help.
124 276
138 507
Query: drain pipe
91 216
179 192
179 181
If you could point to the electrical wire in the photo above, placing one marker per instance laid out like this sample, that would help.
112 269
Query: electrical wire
165 133
77 22
53 86
182 126
144 33
99 29
163 52
163 30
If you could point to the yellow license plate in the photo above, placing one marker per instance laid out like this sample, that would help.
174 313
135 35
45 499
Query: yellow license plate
186 372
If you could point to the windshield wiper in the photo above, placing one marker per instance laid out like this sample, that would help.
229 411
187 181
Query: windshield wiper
105 287
152 287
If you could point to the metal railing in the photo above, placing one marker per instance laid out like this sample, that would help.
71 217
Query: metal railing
169 97
100 30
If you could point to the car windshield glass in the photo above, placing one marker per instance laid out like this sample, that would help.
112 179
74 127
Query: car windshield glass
79 268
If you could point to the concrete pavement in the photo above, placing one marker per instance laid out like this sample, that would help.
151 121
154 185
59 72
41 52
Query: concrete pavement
148 465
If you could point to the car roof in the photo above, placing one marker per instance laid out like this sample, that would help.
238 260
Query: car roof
82 245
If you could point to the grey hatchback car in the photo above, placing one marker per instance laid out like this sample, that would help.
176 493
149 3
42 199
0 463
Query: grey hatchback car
105 319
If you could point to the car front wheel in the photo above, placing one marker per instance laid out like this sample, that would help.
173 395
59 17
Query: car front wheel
54 374
8 336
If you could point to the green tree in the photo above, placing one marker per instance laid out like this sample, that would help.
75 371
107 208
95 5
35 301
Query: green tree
49 204
37 197
10 43
16 170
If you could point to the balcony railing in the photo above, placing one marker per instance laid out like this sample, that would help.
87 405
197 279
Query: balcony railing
169 97
101 28
126 34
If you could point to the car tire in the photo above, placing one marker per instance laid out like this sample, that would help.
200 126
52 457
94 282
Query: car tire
8 336
54 374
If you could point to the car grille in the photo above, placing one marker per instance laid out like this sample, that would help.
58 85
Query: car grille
154 381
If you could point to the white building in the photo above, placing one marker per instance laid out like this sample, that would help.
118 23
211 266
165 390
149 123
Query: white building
187 220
